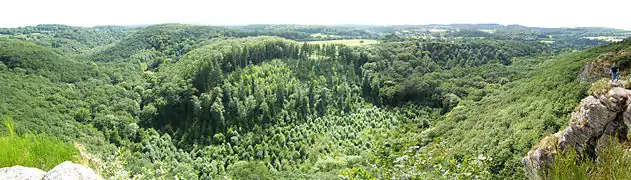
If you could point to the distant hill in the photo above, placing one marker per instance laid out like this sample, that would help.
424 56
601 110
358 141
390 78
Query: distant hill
34 59
172 40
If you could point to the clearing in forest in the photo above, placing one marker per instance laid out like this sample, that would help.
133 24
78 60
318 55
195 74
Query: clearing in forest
348 42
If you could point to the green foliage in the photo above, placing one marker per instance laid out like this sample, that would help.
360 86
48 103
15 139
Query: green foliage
505 124
33 150
249 170
9 124
427 73
64 39
28 58
199 102
600 87
305 32
165 40
356 173
613 162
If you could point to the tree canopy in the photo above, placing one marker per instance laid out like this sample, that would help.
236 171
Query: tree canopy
258 102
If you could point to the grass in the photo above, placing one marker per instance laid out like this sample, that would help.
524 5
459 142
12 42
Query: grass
348 42
32 150
613 162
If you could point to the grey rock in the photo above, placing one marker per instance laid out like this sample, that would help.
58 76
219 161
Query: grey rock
593 71
613 131
589 121
69 171
21 173
626 117
539 160
600 118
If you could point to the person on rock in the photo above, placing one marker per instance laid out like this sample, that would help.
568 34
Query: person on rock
614 73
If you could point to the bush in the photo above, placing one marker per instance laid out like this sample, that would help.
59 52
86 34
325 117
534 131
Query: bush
600 87
356 173
623 61
627 85
330 163
33 150
249 170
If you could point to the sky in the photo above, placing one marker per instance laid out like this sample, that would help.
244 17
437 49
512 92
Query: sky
538 13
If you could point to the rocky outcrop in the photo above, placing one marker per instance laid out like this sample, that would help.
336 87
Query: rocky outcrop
64 171
539 159
594 71
69 171
21 173
598 117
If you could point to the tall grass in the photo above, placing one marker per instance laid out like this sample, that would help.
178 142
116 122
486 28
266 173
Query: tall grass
33 150
8 123
612 162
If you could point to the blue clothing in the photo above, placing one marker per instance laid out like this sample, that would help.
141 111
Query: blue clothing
614 73
615 76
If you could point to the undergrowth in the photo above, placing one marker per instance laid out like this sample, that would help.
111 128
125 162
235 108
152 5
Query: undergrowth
33 150
613 162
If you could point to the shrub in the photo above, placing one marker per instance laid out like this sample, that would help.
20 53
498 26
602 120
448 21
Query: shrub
356 173
627 85
600 87
249 170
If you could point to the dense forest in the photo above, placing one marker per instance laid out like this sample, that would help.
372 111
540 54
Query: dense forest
175 101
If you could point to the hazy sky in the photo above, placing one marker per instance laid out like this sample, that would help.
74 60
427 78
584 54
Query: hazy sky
542 13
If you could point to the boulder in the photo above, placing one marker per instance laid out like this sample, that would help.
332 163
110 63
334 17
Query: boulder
21 173
70 171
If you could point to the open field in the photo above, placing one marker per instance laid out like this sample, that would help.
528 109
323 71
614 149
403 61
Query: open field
606 38
348 42
488 30
324 35
547 42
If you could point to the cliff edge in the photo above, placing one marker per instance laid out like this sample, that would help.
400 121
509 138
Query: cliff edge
599 117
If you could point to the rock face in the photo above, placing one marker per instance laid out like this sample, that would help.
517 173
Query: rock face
599 117
21 173
593 71
539 159
64 171
69 171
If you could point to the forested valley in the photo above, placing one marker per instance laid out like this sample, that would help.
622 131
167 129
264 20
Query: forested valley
176 101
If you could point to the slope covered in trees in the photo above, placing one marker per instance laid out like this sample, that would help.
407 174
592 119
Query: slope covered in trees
66 39
191 102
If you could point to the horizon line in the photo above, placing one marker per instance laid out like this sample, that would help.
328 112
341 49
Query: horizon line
315 24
